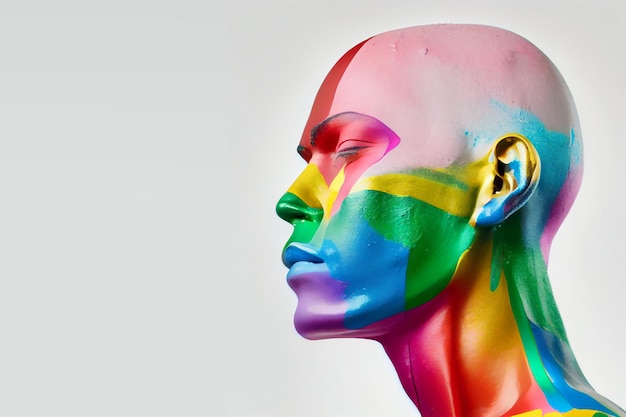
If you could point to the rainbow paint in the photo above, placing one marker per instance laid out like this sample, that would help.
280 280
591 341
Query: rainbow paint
441 161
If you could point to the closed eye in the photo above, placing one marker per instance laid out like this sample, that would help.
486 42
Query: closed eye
351 147
352 150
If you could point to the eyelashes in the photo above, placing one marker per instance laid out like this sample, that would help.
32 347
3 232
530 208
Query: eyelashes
350 148
350 151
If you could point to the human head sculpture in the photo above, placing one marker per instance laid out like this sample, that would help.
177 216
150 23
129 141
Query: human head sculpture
441 161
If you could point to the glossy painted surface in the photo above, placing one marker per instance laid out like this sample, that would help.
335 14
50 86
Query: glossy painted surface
440 162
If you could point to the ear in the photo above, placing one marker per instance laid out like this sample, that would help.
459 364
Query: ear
508 179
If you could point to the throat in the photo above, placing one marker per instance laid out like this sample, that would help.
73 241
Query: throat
461 354
421 352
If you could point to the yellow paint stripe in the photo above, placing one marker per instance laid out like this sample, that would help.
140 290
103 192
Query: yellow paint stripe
443 196
309 186
333 191
571 413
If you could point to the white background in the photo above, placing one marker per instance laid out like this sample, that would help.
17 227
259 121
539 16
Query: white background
142 149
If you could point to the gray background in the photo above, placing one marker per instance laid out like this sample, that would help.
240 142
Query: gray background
142 149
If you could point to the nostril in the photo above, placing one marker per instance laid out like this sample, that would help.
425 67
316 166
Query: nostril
289 212
291 209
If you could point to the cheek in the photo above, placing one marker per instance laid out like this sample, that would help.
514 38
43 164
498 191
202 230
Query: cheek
355 251
356 235
435 254
379 240
372 267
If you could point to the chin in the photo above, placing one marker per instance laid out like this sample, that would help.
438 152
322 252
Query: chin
315 325
332 326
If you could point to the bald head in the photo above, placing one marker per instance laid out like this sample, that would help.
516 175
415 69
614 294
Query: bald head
449 92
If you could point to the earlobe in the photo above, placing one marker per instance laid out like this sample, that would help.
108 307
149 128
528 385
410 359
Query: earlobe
508 179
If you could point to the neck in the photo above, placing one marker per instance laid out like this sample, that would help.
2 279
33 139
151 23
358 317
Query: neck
461 354
473 351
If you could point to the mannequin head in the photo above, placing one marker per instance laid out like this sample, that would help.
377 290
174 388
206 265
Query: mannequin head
421 142
441 161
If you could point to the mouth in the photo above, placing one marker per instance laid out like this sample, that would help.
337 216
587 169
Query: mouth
298 252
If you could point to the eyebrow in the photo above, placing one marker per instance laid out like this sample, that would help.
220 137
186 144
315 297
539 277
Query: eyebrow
318 131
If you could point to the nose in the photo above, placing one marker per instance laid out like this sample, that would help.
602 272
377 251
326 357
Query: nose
293 210
302 203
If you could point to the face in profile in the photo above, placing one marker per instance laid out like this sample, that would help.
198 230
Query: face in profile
397 147
440 162
358 235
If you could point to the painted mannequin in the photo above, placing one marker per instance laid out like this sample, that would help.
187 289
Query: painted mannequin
441 161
